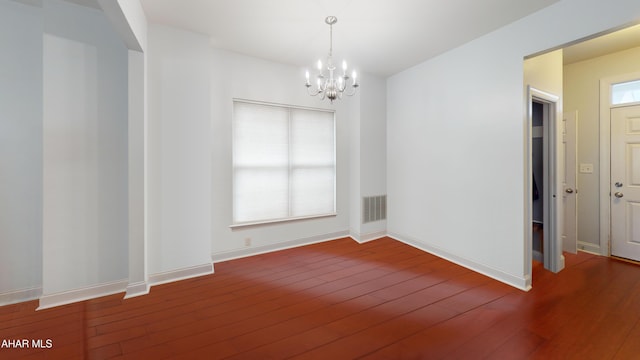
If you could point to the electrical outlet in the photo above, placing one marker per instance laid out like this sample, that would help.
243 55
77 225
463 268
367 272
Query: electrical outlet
586 168
247 241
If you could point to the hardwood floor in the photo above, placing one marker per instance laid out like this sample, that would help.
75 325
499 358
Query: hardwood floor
342 300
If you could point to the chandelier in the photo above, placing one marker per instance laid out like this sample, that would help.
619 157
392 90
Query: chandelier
331 85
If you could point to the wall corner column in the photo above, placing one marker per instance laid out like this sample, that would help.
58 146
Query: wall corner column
137 145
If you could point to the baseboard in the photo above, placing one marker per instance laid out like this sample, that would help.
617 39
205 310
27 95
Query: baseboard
137 289
91 292
21 295
522 283
363 238
180 274
589 248
251 251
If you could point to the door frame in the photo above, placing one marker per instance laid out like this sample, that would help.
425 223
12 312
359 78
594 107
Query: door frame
605 157
553 259
570 132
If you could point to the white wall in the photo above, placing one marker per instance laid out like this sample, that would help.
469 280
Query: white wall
179 151
185 130
238 76
128 19
85 226
137 170
455 139
355 169
21 28
582 93
371 158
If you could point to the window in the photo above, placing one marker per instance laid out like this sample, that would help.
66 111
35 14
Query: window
283 163
625 93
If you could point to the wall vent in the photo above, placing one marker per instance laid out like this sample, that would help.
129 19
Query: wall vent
374 208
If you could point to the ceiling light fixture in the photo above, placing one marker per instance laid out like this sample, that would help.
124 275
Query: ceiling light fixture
332 87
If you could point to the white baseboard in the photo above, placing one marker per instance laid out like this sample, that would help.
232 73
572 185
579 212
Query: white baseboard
251 251
363 238
589 248
137 289
16 296
90 292
181 274
523 283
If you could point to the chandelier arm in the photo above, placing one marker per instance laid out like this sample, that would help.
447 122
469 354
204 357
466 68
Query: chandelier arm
353 90
312 93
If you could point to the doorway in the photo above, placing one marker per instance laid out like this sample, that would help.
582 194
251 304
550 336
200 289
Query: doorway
619 197
590 66
544 174
538 162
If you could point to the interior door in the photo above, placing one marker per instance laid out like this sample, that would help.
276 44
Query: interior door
570 190
625 182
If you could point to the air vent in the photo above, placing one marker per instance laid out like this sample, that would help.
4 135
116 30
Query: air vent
374 208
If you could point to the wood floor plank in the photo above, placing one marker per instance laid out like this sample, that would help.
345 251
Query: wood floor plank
342 300
630 347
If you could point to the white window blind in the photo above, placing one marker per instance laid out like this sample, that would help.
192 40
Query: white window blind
283 163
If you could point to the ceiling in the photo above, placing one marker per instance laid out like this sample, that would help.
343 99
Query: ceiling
381 37
613 42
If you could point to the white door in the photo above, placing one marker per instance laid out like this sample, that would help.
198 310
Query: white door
569 195
625 182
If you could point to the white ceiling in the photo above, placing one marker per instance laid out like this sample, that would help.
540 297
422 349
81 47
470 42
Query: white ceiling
380 37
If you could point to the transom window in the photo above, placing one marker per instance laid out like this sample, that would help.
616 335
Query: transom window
625 93
284 164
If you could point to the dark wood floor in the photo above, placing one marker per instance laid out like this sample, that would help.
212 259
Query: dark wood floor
342 300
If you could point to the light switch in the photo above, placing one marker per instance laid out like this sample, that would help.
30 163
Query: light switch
586 168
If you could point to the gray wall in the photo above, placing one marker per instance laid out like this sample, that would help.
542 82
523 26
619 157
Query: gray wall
63 150
21 29
456 127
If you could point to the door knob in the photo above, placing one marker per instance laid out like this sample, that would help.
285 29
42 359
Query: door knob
618 194
569 191
618 184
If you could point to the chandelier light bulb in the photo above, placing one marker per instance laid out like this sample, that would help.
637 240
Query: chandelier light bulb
319 65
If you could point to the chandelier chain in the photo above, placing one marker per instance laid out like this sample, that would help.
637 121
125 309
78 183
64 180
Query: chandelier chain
330 40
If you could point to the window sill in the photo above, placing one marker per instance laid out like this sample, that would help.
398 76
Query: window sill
280 221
